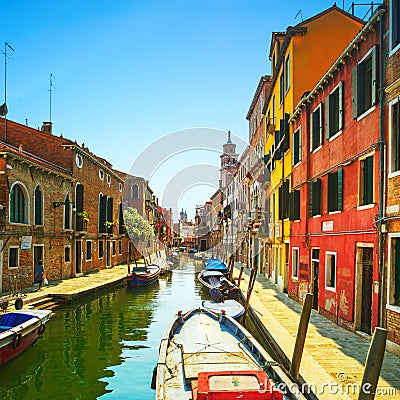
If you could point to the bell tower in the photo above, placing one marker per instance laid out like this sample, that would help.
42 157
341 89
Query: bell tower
229 162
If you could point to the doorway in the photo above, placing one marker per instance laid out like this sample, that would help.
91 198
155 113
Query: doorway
37 255
108 253
315 276
366 289
78 257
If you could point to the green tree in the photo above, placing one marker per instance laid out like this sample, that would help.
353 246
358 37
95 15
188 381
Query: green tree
137 227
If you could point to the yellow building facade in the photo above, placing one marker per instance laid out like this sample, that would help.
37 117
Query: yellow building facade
300 56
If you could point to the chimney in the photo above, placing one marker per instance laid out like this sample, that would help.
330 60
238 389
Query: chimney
47 127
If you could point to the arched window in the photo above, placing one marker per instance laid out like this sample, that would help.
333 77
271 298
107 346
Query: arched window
18 205
135 191
38 199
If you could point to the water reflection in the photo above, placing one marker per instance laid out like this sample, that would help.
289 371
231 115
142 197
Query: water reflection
105 346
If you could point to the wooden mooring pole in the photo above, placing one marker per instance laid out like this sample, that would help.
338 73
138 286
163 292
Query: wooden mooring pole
301 336
373 365
252 279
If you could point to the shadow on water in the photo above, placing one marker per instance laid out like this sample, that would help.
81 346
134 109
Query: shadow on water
106 346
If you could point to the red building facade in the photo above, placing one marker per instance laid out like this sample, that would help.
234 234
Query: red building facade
335 188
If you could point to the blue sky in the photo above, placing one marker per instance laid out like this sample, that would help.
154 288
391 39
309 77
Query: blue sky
129 72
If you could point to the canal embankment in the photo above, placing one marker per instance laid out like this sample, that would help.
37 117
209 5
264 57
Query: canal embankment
333 359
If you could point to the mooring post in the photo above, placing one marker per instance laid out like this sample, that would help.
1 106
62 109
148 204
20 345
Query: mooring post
231 267
240 275
301 336
253 275
373 365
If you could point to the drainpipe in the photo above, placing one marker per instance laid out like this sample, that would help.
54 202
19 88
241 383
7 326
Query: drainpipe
382 173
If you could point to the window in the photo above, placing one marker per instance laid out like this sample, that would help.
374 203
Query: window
295 262
294 205
330 270
394 129
394 23
287 73
281 87
315 198
119 247
101 174
273 110
38 199
334 112
114 249
335 191
366 181
296 152
394 281
88 250
108 180
135 191
316 128
365 83
101 248
18 205
13 257
79 161
67 254
120 187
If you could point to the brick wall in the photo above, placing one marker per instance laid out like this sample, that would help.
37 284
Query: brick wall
393 326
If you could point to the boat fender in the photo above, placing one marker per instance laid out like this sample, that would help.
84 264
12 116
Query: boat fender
16 341
41 329
18 304
154 378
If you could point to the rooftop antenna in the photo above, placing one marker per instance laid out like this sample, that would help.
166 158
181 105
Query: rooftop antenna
3 108
301 15
51 87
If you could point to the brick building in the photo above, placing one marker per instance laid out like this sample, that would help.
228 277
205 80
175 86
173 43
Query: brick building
61 204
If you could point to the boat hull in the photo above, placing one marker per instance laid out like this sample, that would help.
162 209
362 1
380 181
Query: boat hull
19 338
231 307
143 278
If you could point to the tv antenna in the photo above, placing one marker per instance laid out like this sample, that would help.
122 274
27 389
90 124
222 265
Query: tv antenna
3 108
51 87
301 15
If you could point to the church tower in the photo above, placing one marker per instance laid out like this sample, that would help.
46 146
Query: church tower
229 162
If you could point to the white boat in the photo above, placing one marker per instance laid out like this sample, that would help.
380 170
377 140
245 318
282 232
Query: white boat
231 307
204 355
19 330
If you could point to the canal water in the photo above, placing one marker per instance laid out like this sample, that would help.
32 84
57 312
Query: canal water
104 347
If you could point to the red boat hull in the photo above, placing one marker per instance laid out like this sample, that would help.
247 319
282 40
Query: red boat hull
8 352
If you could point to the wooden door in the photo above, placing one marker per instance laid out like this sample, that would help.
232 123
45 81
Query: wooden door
366 290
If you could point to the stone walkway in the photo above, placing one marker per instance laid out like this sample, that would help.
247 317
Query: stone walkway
333 359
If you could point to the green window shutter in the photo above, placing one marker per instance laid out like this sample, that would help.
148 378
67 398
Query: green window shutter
368 180
296 205
354 80
332 192
341 106
397 270
291 207
374 83
311 203
321 124
318 197
327 110
340 189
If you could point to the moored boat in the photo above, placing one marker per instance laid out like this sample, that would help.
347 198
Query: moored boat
19 330
144 276
231 307
217 280
204 355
